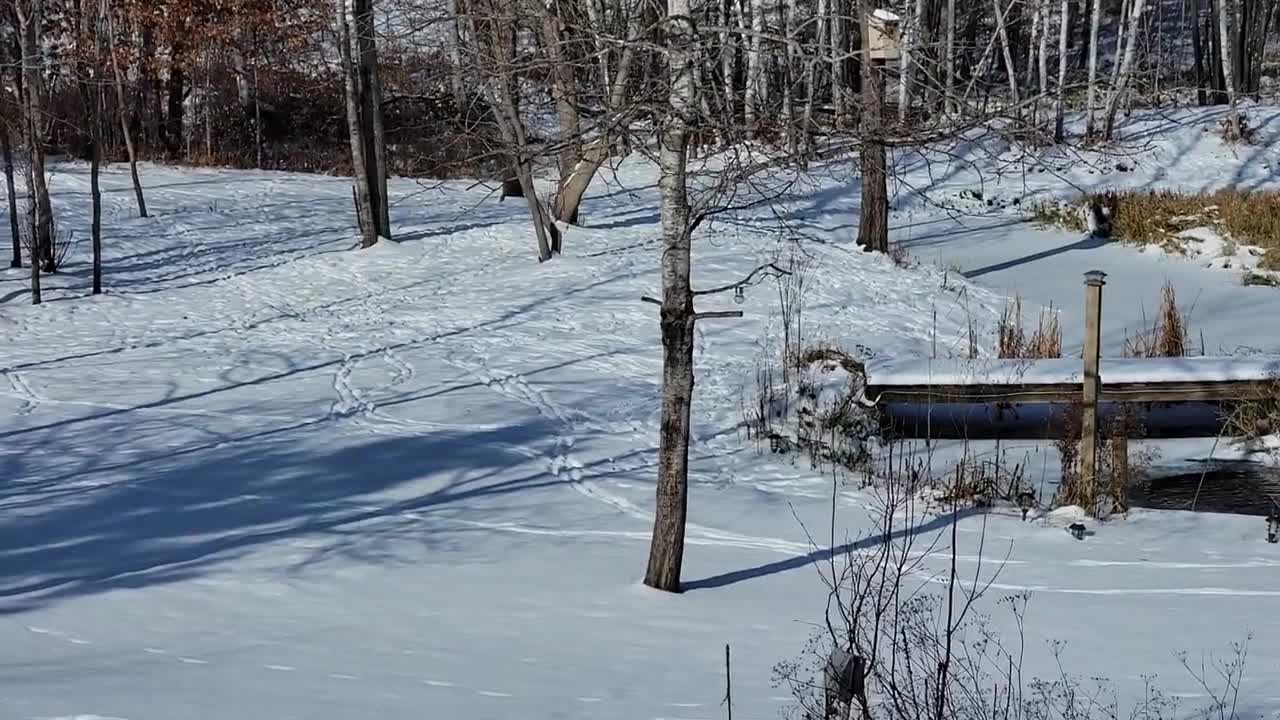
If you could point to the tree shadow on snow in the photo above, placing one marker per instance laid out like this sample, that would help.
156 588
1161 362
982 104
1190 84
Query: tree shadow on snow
177 516
1088 242
820 554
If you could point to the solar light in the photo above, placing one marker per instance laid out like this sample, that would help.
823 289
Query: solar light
1273 529
739 295
1026 501
1077 530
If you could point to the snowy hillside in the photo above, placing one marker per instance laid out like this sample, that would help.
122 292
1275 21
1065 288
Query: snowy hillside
267 476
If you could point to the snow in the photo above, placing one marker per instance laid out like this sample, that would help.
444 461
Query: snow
267 476
886 15
952 371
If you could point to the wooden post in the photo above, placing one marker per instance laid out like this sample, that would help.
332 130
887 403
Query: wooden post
1094 280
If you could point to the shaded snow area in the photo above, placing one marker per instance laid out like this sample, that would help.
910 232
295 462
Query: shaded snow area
267 476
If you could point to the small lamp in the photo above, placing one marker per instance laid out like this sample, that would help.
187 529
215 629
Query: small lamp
739 295
1273 528
1026 501
1077 530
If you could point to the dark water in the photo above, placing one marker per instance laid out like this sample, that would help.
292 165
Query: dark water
1242 488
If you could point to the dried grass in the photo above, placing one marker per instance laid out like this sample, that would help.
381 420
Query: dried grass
1117 468
1012 339
1167 336
1157 216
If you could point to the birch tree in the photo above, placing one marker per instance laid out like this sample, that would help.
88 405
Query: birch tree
1095 23
1125 66
1002 33
1064 37
666 551
756 98
1235 124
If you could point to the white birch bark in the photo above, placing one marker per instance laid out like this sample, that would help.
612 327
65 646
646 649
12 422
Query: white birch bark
1064 30
1125 66
1095 22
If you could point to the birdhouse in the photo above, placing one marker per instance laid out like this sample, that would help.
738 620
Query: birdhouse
884 38
1077 530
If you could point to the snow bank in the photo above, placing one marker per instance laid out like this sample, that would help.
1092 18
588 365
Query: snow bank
888 372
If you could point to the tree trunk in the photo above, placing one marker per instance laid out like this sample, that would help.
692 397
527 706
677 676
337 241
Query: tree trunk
365 215
1095 22
666 551
1086 46
1042 18
1010 69
14 232
1064 35
95 192
1122 26
455 60
756 98
873 228
35 250
839 78
149 107
949 94
175 90
375 131
910 23
499 40
92 84
206 104
1197 49
1234 122
564 91
30 19
123 112
1126 67
729 71
812 80
790 14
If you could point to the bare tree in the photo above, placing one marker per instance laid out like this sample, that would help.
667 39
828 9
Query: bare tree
1235 123
121 110
7 146
1064 36
1095 22
366 216
677 317
30 14
91 25
372 115
756 98
1125 66
1002 33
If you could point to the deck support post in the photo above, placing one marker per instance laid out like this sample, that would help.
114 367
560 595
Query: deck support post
1094 280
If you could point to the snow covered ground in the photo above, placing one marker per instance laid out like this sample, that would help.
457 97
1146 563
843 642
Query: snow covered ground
269 477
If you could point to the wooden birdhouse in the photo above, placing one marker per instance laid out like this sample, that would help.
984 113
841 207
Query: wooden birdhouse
884 35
